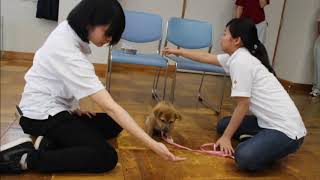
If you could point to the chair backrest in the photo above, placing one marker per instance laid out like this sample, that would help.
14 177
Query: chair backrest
142 27
189 34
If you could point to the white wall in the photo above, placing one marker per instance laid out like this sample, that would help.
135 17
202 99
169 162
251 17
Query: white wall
273 16
294 57
22 31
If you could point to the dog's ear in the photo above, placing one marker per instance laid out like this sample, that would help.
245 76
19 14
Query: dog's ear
178 116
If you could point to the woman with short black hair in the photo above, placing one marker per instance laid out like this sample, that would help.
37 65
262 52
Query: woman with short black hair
61 75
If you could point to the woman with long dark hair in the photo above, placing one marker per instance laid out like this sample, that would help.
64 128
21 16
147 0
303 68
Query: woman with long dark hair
275 129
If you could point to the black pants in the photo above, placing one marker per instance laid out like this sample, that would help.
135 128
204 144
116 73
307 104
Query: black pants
79 143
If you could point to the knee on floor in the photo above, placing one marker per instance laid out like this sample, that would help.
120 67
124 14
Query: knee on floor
246 160
108 159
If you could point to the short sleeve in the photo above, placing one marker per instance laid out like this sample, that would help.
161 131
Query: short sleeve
240 2
75 104
223 61
78 75
242 79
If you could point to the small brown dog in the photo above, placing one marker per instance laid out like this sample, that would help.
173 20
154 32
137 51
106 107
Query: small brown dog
162 119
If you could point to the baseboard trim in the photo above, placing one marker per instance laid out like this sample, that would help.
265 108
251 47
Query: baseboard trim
295 87
100 68
12 55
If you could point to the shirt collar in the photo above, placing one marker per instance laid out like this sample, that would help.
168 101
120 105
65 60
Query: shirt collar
84 46
239 50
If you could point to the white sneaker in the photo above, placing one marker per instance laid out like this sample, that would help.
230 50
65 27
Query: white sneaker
315 92
43 143
245 137
11 155
38 142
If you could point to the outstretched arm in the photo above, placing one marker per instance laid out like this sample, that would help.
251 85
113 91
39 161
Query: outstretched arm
200 56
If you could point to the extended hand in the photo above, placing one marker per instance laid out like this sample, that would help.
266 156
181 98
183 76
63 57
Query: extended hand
163 151
168 51
224 144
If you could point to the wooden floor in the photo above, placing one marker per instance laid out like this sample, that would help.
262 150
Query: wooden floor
131 89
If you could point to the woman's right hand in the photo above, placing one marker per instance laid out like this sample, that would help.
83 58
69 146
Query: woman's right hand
168 51
163 151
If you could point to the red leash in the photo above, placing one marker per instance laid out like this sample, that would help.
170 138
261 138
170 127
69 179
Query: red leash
209 148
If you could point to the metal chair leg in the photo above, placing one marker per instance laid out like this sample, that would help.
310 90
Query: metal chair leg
109 77
222 93
154 80
199 91
157 79
155 85
155 95
217 110
173 86
165 83
109 71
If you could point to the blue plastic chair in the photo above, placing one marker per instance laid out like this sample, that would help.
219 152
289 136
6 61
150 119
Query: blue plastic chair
192 34
141 27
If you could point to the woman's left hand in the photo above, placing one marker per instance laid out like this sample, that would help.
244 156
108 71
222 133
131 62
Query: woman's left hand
81 113
224 143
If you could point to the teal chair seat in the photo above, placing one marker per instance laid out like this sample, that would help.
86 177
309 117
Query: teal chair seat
141 59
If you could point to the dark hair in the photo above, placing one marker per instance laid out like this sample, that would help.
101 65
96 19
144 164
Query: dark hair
98 12
247 31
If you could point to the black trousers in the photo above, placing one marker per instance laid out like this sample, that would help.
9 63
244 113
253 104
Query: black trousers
79 143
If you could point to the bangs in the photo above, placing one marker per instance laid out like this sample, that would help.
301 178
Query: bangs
116 28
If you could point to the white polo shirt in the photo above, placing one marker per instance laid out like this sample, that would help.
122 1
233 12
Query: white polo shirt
269 101
60 76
